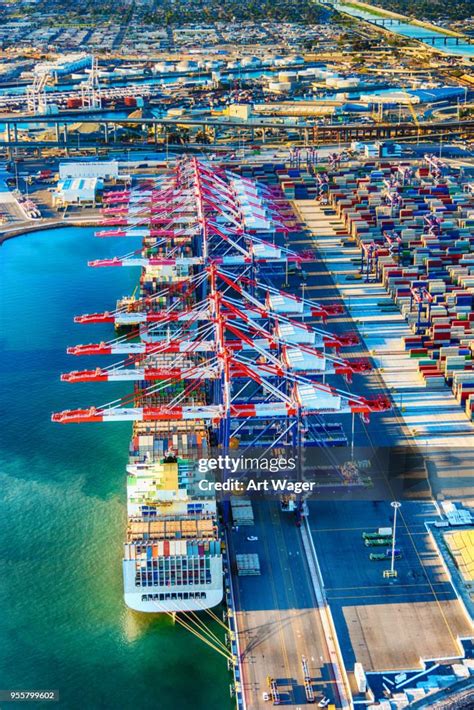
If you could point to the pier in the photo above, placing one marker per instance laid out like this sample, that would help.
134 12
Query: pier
217 371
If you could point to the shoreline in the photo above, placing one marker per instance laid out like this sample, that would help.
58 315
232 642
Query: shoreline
24 229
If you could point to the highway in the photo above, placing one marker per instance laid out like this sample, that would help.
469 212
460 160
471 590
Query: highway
63 133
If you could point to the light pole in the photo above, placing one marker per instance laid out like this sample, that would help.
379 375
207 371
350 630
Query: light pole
395 505
352 436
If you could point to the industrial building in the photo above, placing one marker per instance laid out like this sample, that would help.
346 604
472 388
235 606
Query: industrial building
104 169
66 64
78 191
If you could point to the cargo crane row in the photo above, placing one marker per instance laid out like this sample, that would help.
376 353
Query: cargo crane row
217 351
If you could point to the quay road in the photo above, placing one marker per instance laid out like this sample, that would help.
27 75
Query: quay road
279 616
63 131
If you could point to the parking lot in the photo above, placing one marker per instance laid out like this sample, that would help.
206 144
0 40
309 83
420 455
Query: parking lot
383 623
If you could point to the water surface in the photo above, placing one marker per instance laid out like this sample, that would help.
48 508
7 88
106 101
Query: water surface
63 623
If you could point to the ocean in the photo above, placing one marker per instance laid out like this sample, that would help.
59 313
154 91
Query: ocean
63 622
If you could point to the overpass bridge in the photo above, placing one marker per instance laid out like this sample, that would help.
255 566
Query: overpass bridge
433 39
34 134
441 40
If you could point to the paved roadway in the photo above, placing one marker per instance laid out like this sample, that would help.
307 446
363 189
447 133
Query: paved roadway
374 440
386 624
276 613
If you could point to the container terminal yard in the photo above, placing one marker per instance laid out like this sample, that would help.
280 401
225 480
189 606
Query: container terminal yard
348 285
295 358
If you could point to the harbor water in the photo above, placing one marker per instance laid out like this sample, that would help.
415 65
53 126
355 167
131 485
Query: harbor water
64 625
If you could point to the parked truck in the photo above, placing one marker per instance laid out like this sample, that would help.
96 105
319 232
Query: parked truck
381 532
378 542
387 555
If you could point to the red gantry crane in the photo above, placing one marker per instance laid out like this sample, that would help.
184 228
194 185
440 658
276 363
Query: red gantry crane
212 316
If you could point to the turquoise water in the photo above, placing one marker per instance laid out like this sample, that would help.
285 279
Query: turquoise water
63 624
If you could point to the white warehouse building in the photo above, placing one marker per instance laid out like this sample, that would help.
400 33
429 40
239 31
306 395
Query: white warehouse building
104 169
64 65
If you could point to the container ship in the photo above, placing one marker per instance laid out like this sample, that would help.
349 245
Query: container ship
172 556
220 357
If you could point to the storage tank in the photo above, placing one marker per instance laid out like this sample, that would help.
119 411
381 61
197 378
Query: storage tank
286 76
